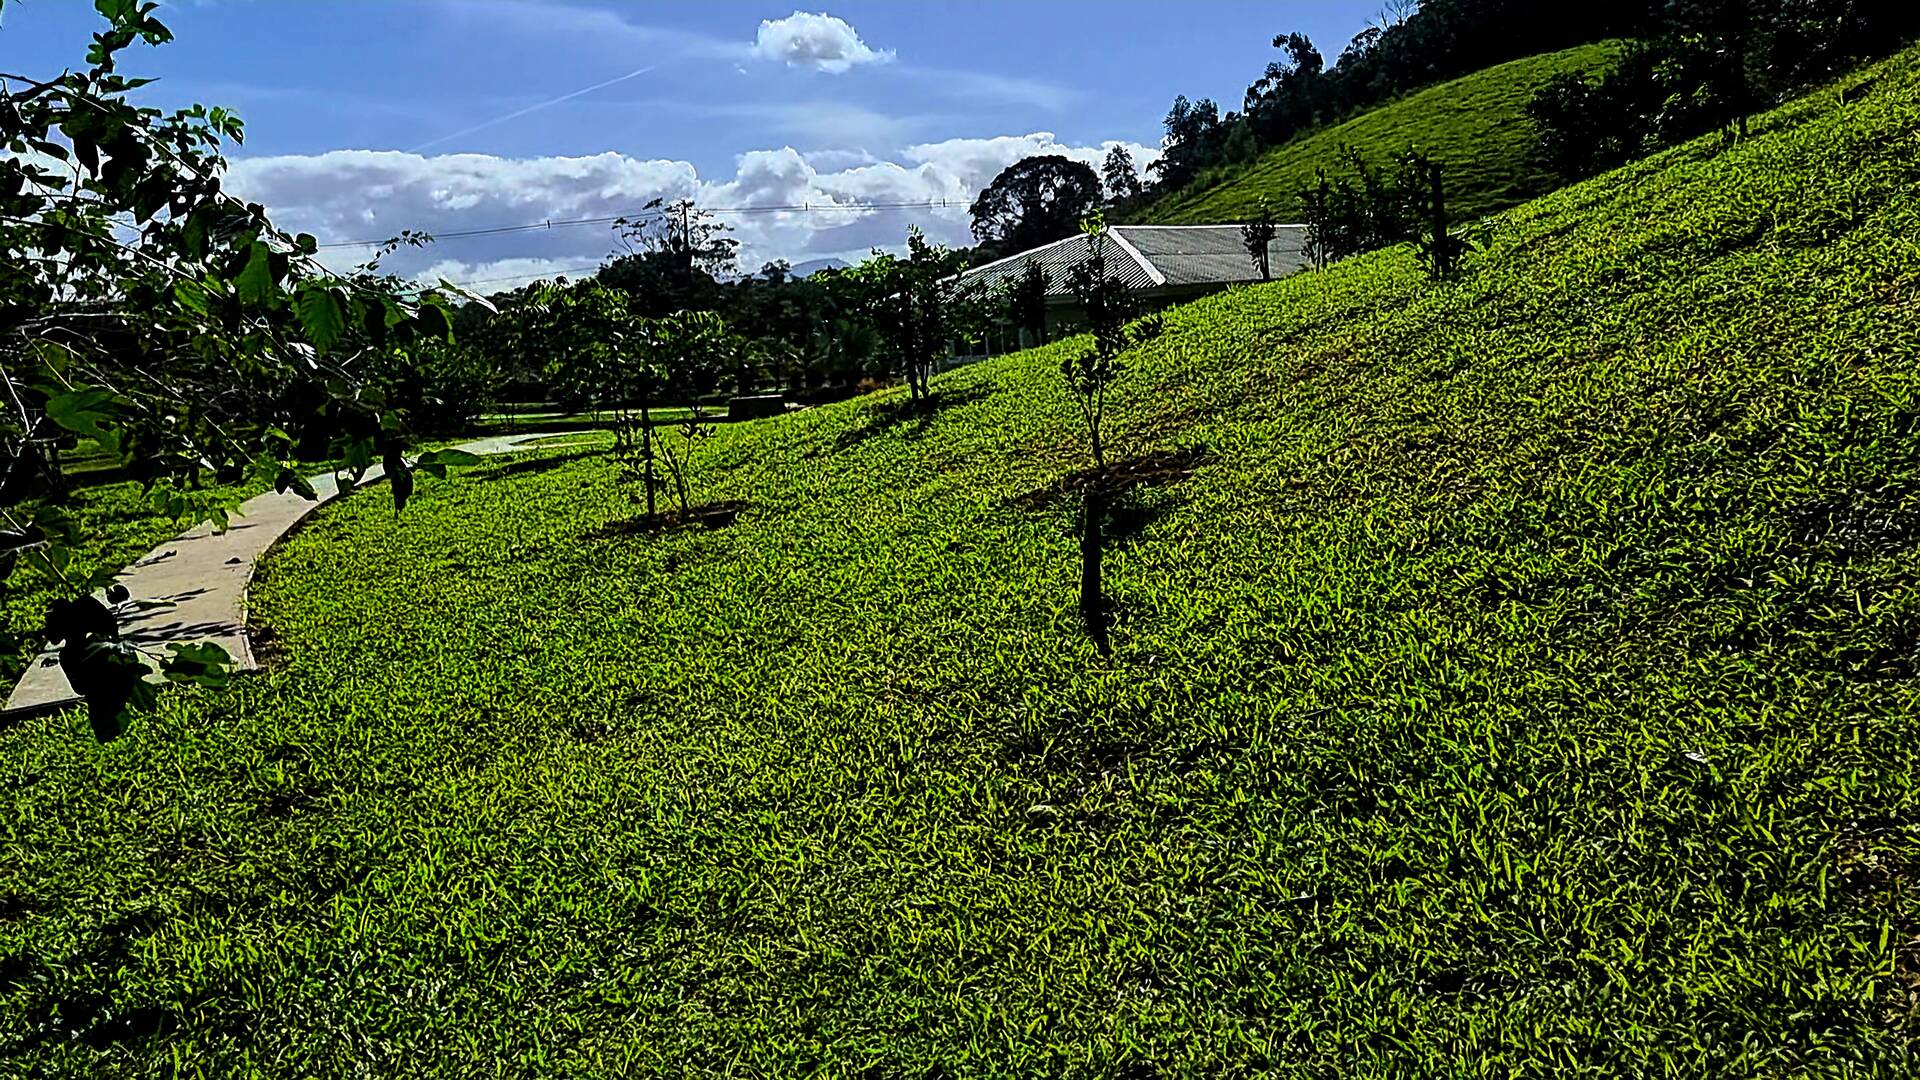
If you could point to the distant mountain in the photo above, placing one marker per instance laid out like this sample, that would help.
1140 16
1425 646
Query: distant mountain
814 266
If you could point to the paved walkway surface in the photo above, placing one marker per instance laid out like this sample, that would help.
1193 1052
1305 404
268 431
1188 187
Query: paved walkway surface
193 588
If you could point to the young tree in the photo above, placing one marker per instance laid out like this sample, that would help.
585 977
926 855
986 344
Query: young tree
691 350
918 308
1121 177
1027 301
1440 249
1108 308
1317 205
1257 237
1033 202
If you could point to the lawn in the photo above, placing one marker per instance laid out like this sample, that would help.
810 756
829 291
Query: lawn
1521 682
1477 126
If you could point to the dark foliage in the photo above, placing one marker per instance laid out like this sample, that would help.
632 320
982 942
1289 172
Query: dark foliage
1708 66
1033 202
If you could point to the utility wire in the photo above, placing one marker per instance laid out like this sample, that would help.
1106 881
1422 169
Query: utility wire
645 215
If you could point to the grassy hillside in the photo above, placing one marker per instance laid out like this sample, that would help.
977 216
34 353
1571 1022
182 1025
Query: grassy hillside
1476 125
1524 681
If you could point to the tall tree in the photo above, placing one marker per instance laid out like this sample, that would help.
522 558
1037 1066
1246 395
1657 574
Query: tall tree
1287 98
1034 202
674 254
1122 178
1193 135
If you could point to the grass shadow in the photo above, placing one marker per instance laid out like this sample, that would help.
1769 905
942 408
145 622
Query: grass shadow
1120 481
907 416
88 1014
537 465
709 517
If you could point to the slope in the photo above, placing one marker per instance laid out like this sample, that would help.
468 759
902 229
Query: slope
1522 681
1476 125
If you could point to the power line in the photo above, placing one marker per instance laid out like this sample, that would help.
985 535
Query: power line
793 208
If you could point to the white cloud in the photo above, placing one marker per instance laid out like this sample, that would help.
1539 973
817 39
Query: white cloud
821 42
852 204
975 162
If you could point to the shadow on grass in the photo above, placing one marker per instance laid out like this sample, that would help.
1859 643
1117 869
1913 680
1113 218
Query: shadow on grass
535 466
87 1014
908 417
709 517
1123 487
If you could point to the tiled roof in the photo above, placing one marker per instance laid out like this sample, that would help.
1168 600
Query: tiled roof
1152 256
1211 254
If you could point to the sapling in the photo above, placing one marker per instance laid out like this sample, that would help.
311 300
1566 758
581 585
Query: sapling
1440 249
1090 374
1257 236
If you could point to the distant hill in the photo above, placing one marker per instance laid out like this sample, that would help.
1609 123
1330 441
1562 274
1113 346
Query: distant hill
1477 125
814 266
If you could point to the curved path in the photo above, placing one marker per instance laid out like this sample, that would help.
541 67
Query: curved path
194 587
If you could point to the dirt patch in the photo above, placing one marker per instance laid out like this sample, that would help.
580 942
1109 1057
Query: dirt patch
711 517
1120 477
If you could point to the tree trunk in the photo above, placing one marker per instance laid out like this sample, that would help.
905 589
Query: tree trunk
646 456
1093 599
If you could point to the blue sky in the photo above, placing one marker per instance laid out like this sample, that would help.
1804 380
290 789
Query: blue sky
364 117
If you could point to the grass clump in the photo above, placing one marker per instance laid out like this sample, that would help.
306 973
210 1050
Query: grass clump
1475 126
1518 677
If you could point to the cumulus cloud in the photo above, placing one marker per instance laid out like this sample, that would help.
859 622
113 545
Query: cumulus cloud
822 42
975 162
850 205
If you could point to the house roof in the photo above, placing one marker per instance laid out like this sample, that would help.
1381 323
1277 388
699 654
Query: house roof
1155 256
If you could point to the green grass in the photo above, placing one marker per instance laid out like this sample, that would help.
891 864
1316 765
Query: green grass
1525 686
1477 126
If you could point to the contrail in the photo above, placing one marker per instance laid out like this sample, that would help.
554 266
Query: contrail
531 109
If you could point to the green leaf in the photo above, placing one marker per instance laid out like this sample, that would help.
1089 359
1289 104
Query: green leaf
255 282
202 664
109 673
358 458
82 411
291 480
306 244
193 235
320 315
193 296
115 11
471 296
434 320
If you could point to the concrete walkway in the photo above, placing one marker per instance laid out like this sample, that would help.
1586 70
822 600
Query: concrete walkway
193 588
